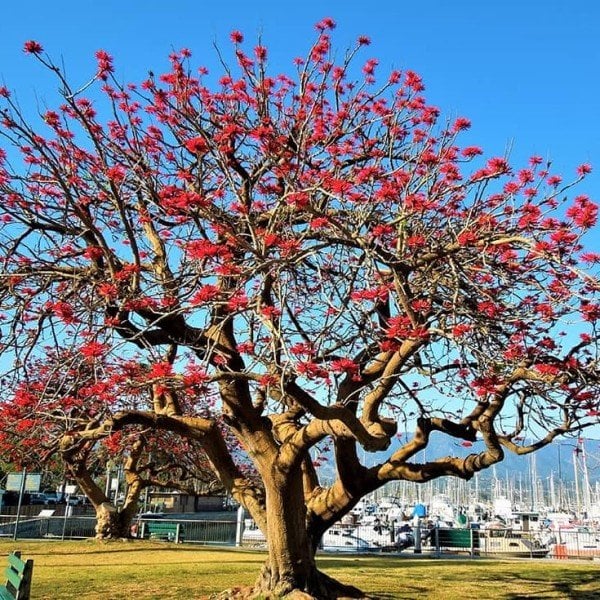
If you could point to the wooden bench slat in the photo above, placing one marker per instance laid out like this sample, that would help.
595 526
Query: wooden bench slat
18 578
16 561
13 577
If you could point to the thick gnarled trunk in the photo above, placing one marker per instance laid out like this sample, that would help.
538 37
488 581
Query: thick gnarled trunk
290 570
111 523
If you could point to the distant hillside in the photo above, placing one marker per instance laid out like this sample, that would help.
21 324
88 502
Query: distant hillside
555 459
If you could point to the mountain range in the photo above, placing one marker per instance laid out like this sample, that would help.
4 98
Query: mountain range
555 460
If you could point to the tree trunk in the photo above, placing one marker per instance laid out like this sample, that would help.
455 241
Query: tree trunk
290 570
112 524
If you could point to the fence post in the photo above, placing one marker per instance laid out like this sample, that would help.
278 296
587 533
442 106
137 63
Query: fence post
418 537
20 503
177 532
239 529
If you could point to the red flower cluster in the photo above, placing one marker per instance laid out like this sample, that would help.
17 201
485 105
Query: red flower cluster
32 47
105 64
197 145
93 349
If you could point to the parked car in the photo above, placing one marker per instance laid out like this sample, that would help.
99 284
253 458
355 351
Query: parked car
37 498
51 497
77 500
45 498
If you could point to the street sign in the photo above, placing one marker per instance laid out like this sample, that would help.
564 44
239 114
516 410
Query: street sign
32 482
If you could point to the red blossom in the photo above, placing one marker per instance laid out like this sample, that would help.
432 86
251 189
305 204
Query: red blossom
205 294
583 212
369 67
237 302
461 124
197 145
374 294
416 240
302 348
93 252
590 311
32 47
108 290
414 81
270 312
266 380
161 369
246 347
584 169
105 64
319 222
236 37
401 327
261 53
484 386
489 308
471 151
344 365
63 310
194 376
467 238
311 370
554 180
116 173
547 369
93 350
498 166
199 249
325 24
590 257
461 329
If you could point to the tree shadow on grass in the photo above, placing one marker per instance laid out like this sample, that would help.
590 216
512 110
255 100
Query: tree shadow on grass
566 590
567 586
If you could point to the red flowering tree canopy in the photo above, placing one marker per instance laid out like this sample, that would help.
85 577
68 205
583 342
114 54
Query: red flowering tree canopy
302 257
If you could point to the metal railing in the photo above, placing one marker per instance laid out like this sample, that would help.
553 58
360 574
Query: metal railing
574 542
192 531
41 527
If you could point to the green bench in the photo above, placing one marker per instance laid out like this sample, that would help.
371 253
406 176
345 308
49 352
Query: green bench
171 532
18 578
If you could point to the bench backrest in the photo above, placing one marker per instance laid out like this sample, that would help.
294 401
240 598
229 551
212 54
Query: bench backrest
18 576
162 526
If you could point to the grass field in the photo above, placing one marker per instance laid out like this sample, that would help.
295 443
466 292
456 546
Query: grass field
152 570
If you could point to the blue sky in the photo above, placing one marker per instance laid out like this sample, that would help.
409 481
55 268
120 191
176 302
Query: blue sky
524 71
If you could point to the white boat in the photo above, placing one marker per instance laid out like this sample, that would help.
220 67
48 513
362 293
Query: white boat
387 537
344 540
340 539
507 543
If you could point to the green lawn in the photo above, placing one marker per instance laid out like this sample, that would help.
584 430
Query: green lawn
152 570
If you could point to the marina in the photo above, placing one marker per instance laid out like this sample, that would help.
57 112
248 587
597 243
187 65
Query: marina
513 516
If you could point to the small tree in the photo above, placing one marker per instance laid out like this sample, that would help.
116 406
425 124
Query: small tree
323 265
64 410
